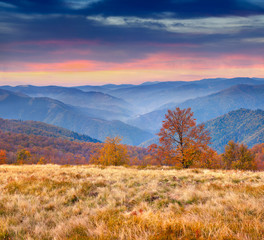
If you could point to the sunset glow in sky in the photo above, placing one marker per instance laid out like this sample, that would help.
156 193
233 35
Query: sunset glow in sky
66 42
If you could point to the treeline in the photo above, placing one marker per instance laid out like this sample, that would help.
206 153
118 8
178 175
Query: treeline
31 149
182 144
54 150
258 151
236 156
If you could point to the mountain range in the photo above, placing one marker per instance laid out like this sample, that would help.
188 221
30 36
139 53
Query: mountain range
93 103
149 96
134 112
20 106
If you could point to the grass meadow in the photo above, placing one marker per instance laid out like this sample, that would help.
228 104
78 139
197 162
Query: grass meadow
92 202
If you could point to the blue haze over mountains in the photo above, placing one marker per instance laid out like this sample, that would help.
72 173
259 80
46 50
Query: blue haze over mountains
134 112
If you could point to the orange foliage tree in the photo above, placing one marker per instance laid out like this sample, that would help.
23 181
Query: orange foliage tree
23 156
56 150
112 153
209 159
41 161
181 141
258 151
2 157
238 156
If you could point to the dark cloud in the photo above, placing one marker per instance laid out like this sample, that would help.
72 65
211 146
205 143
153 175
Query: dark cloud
38 20
180 8
37 6
183 9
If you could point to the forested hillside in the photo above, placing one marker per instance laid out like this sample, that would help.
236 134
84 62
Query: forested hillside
242 125
42 129
54 150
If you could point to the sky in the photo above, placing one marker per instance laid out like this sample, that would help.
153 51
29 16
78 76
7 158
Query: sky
95 42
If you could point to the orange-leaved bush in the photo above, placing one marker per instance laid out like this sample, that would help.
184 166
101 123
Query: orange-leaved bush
23 156
258 151
112 153
3 157
238 156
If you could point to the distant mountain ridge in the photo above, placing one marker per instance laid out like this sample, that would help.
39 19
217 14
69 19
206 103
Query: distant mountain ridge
208 107
93 100
241 125
149 97
126 101
67 94
235 97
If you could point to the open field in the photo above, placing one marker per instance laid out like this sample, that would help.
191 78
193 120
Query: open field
89 202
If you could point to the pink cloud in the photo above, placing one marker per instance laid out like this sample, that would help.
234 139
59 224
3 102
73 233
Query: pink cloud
158 61
78 65
165 61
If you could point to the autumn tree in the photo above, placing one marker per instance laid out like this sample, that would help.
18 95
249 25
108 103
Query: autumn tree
112 153
23 156
238 156
41 161
2 157
258 151
209 159
180 140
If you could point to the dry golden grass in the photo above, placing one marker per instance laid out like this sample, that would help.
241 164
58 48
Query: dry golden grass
89 202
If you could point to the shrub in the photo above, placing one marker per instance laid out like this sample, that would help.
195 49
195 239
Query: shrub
112 153
238 156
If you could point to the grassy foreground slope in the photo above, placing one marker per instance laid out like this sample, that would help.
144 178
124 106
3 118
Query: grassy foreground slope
89 202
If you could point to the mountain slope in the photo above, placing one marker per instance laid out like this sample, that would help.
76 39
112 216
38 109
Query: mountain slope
42 129
214 105
242 125
208 107
54 149
19 106
217 85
